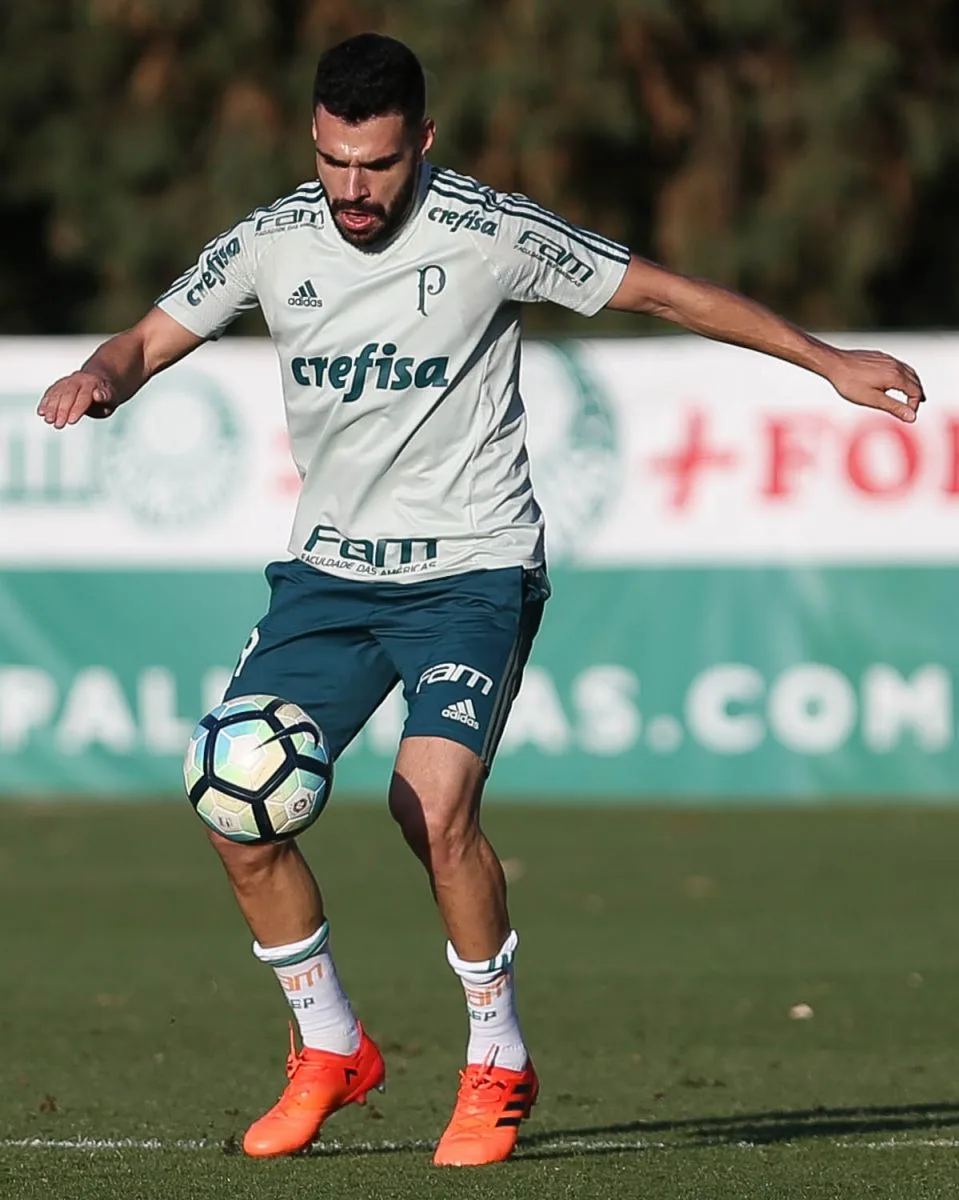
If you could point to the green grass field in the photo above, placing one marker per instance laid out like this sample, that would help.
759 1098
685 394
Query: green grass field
661 955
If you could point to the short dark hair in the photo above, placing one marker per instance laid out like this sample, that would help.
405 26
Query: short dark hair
370 76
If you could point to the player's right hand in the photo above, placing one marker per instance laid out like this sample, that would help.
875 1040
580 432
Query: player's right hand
81 394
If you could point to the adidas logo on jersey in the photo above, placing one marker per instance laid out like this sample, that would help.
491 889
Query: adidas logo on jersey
462 711
305 297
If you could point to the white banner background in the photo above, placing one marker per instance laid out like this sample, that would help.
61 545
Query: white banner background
647 451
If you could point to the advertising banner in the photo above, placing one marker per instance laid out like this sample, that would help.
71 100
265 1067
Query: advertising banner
732 684
753 580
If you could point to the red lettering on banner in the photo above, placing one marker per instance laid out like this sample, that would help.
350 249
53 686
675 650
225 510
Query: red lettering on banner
952 450
792 443
694 456
287 479
861 465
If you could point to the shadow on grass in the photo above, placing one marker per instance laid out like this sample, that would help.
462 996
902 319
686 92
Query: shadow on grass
743 1129
753 1129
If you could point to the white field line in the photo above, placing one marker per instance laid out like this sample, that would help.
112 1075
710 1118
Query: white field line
583 1145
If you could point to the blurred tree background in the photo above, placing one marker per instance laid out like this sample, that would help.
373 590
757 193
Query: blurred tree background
804 151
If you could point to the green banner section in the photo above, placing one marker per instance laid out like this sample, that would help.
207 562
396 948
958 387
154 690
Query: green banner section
644 684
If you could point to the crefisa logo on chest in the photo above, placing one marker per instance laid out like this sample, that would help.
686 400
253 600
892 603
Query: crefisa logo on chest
377 367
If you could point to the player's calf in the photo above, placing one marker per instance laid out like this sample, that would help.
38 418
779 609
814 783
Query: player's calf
274 888
435 799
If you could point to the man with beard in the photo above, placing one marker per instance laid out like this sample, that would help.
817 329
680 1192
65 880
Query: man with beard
392 291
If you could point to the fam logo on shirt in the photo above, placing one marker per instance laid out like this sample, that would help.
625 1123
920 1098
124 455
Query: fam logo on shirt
287 219
328 547
534 245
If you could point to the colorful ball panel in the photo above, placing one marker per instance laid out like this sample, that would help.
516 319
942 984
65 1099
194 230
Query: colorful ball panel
292 714
193 760
227 815
248 754
299 810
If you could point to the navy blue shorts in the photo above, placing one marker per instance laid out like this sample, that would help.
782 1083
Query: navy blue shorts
337 647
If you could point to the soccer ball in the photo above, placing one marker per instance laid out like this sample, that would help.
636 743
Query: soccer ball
258 769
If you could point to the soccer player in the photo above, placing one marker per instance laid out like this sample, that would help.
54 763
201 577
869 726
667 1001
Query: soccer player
392 291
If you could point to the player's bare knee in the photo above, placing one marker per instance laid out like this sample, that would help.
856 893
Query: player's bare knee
438 827
451 832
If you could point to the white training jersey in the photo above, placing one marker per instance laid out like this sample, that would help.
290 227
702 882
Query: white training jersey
400 366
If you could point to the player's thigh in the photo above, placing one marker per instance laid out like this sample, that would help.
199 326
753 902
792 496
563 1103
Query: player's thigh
460 646
313 648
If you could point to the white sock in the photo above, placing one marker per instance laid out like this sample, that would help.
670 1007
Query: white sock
495 1036
308 978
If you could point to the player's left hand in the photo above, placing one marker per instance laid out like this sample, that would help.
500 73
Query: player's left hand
867 377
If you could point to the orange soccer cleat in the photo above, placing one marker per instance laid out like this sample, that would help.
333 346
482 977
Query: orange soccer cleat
485 1122
320 1084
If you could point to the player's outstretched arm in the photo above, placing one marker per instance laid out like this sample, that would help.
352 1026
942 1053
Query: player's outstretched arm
861 376
117 370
